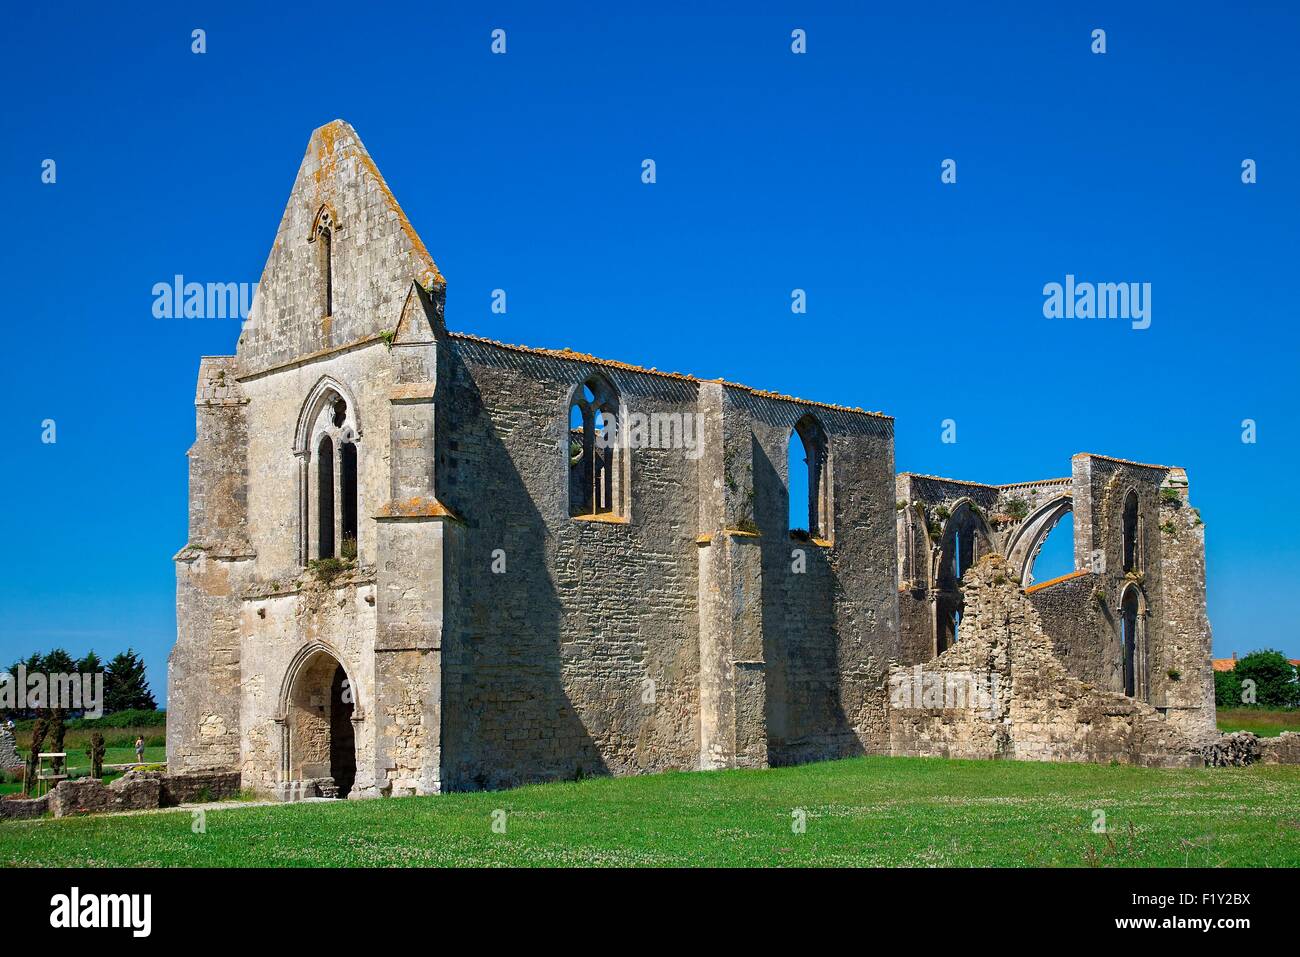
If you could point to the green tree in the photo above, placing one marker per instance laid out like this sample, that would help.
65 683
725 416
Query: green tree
125 684
1274 677
58 662
1227 690
90 664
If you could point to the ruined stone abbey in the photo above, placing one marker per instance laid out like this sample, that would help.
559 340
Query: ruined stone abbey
420 560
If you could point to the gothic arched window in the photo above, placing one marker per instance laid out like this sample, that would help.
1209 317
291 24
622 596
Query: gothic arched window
1132 644
595 451
322 234
329 495
808 480
325 498
1132 548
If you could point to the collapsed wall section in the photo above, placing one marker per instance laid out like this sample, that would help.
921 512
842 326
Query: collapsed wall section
1002 691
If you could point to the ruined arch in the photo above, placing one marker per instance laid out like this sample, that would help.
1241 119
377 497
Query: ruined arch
965 539
816 460
319 706
596 451
1027 540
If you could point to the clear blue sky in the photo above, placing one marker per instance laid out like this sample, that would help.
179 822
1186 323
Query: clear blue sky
775 172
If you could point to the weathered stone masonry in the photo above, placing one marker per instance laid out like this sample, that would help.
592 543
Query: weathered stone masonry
1129 623
409 570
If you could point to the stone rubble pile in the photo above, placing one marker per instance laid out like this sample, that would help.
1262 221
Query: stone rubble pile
1236 749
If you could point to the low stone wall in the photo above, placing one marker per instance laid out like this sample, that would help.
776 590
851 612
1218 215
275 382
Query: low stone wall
140 791
21 809
1284 749
134 791
197 786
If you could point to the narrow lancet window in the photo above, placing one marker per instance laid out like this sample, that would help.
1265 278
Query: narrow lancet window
1132 551
325 498
809 480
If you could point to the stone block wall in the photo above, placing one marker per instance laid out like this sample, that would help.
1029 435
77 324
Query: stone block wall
830 610
212 571
24 809
198 786
546 673
134 791
1283 749
1082 627
1035 709
731 658
284 623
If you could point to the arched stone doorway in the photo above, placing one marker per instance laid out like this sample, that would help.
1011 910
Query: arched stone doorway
319 740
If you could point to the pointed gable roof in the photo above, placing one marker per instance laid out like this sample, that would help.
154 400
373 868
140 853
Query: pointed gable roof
420 321
375 256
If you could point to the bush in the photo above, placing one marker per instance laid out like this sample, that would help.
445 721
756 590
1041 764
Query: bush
1274 677
327 569
1227 689
1275 682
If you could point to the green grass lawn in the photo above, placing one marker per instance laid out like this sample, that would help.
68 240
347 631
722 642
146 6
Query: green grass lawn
865 811
1265 722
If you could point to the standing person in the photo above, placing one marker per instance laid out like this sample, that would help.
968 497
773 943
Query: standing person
139 749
